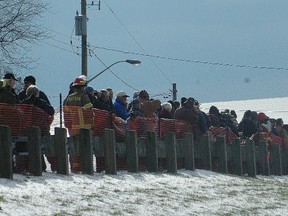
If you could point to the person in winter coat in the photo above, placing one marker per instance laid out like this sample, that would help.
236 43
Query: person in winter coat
149 106
279 130
247 125
264 123
103 101
166 110
7 91
78 97
188 114
214 116
30 80
121 106
32 97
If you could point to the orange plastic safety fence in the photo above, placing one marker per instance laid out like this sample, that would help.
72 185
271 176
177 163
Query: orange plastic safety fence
269 137
22 116
230 136
142 125
102 120
172 125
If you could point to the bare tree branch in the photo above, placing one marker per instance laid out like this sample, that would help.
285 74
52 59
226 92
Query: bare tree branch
20 29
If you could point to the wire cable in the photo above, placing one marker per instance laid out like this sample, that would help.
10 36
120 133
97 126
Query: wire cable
132 36
123 81
195 61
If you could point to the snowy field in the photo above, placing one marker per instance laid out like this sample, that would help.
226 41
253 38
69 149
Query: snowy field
272 107
186 193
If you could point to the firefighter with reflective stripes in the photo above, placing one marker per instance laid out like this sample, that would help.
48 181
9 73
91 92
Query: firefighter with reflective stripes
79 97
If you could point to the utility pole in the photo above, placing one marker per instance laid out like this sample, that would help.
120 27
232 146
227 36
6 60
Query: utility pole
84 40
174 91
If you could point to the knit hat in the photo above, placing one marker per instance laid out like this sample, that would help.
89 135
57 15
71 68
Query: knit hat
30 79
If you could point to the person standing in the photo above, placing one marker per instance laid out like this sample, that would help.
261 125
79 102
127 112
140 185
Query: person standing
120 105
7 89
30 80
79 97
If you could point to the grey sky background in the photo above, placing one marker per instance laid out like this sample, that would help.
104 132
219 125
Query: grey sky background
213 50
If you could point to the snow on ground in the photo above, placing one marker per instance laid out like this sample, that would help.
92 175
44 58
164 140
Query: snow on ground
185 193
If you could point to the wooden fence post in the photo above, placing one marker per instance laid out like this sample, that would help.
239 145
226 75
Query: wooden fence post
110 151
206 155
275 159
34 150
6 170
132 151
61 152
151 152
171 155
263 161
237 157
86 152
284 157
221 154
250 158
189 162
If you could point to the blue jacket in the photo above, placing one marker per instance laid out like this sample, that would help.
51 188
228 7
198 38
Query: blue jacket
121 109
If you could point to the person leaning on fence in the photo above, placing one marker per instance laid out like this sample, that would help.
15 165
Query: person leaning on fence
214 116
279 130
78 98
121 106
149 106
188 114
166 110
111 94
7 89
103 101
135 112
33 98
92 94
30 80
247 127
264 123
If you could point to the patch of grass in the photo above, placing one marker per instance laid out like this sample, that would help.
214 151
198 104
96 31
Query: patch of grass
2 199
197 198
26 197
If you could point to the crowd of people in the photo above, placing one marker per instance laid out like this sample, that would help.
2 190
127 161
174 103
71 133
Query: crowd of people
141 105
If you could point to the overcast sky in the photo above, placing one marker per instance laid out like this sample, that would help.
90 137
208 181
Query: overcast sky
212 50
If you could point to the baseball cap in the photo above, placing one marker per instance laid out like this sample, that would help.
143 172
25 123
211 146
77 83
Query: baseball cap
9 76
122 94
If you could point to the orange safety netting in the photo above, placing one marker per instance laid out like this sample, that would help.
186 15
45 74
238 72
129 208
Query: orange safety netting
269 137
172 125
20 117
102 120
142 125
230 136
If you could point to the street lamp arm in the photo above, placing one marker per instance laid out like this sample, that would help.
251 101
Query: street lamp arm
134 62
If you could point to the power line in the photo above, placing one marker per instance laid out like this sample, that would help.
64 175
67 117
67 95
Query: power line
132 36
113 72
194 61
184 60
